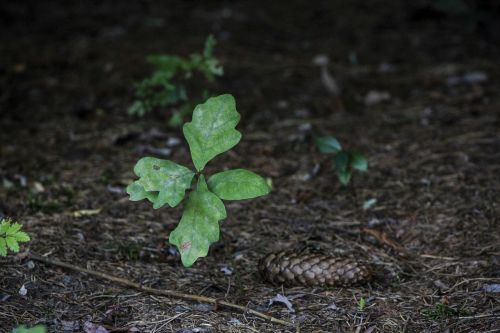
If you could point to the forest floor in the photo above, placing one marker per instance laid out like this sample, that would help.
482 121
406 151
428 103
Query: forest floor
430 128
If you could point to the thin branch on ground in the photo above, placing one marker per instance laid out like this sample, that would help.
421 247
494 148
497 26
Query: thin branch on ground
161 292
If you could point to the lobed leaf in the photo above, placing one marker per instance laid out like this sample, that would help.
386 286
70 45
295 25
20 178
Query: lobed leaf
13 228
10 236
199 225
12 243
161 182
238 184
212 129
137 192
22 237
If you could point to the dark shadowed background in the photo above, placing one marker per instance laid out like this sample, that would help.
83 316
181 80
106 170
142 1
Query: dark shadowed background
418 94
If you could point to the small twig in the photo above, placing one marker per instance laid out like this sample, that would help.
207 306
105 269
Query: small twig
161 292
384 238
430 256
481 316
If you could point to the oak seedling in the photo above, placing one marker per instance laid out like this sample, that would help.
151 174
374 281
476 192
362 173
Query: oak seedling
162 182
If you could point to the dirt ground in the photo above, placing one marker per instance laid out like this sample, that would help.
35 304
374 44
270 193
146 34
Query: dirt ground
67 144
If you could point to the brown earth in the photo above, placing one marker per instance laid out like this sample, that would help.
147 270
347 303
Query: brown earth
67 144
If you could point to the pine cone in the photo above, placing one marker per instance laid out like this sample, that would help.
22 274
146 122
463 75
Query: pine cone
293 269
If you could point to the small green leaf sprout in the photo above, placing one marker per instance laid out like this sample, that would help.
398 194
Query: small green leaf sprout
361 304
345 160
167 85
34 329
211 132
439 311
369 203
10 236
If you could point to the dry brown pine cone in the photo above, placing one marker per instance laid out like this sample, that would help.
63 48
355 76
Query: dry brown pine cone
294 269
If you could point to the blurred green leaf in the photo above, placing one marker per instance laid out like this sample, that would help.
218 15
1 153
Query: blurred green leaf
361 304
358 161
342 167
328 144
369 203
35 329
166 86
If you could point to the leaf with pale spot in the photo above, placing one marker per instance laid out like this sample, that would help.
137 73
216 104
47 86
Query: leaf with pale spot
199 225
212 129
161 182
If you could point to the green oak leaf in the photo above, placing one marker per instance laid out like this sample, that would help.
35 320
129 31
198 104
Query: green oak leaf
342 167
212 129
199 225
238 184
168 179
328 144
137 192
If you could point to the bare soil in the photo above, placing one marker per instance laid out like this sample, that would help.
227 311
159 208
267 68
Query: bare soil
67 146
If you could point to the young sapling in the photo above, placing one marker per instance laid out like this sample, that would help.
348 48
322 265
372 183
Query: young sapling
10 236
168 84
345 160
211 132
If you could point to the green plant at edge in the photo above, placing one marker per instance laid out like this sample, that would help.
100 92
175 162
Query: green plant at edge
439 311
166 86
34 329
10 236
361 304
345 160
211 132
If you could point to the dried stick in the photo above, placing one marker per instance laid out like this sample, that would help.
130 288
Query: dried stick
161 292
